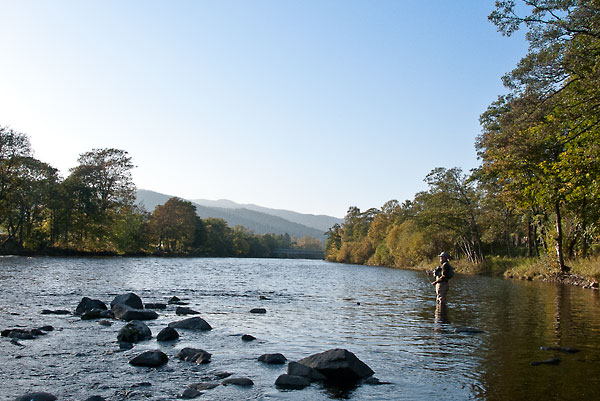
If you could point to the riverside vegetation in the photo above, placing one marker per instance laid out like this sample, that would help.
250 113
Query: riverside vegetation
532 208
93 211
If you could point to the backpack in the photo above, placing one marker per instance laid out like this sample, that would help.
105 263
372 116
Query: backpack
438 271
450 271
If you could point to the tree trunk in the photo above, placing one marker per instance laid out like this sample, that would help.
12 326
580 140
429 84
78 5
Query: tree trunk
559 239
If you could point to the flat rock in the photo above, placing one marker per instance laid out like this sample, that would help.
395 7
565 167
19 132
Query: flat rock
260 311
290 382
41 396
338 365
273 359
248 337
192 323
155 306
183 310
190 393
95 398
127 313
55 312
152 358
238 381
566 350
551 361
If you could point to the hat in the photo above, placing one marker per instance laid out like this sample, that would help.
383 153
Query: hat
444 255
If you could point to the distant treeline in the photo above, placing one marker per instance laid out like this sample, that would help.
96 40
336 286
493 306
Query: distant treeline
537 190
93 211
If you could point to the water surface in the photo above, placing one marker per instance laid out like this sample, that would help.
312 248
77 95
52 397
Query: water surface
387 317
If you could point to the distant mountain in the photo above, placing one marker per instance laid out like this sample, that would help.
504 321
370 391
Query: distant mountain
320 222
257 221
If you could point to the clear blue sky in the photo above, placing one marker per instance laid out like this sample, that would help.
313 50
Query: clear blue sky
312 106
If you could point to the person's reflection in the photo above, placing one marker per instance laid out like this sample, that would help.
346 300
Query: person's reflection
441 317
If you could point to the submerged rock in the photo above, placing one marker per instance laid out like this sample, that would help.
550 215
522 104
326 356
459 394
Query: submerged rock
41 396
152 359
468 330
260 311
551 361
566 350
192 323
338 365
134 332
190 393
291 382
95 398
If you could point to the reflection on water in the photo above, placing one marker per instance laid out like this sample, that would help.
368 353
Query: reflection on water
387 317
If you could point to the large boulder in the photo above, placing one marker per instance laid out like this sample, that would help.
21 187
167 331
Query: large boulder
338 365
88 304
192 323
298 369
131 300
152 359
127 313
134 332
40 396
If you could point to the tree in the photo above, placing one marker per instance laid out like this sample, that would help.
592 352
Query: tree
540 142
173 225
99 187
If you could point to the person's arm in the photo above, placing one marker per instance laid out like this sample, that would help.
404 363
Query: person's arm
442 277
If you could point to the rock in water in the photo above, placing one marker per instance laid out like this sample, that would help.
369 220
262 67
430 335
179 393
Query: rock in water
297 369
194 355
273 359
183 310
338 365
238 381
260 311
167 334
134 332
36 397
127 313
131 300
87 304
193 323
152 359
551 361
292 382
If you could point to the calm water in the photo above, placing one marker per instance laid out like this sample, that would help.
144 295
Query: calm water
386 317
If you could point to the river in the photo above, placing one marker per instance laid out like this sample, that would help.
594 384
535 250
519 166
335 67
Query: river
386 317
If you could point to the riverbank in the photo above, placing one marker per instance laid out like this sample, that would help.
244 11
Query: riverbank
584 273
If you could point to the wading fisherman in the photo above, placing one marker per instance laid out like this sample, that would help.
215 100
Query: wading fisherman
442 274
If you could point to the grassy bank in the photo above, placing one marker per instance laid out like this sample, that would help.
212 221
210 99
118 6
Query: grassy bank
584 272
